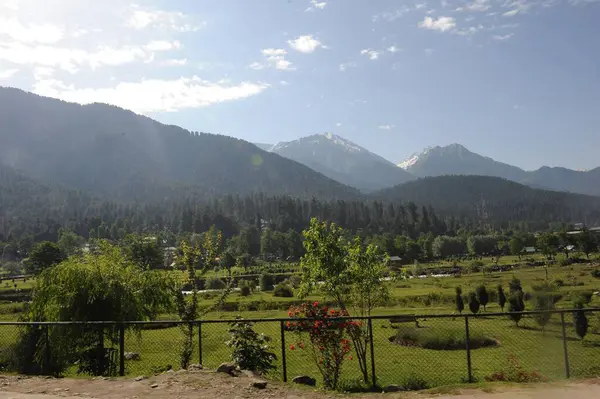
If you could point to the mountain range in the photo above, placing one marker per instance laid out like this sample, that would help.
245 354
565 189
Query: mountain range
348 163
115 153
60 158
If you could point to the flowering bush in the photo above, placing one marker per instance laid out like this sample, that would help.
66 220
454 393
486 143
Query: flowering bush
327 335
515 373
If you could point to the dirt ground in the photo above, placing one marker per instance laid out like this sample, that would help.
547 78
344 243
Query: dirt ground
204 384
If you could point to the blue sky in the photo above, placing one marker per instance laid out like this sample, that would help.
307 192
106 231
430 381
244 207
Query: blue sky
518 81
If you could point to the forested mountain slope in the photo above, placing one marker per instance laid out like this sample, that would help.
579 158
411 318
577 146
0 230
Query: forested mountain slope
496 199
115 153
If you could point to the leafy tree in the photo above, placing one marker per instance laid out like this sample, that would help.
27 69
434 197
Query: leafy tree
516 246
43 256
251 350
445 246
97 286
267 244
565 241
69 242
458 300
501 297
543 300
548 244
473 303
482 295
586 242
516 303
351 274
580 320
482 245
195 258
144 251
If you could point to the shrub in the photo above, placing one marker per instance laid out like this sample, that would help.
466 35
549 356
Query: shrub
444 340
415 383
250 349
515 373
283 290
245 288
215 283
295 281
596 273
476 266
559 283
266 282
327 338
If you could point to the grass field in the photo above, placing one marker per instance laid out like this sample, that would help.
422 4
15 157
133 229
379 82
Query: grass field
535 349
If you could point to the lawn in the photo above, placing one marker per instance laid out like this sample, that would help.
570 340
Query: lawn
532 348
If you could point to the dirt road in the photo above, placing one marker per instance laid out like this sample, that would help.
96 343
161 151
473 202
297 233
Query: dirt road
204 384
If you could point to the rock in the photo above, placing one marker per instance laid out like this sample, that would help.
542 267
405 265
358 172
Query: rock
393 388
194 367
140 378
227 368
154 386
304 380
132 356
258 384
249 374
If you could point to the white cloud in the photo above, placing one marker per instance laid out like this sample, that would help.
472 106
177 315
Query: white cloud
503 37
390 16
305 44
33 33
67 59
441 24
142 18
270 52
511 13
386 127
162 45
275 58
428 51
316 5
347 65
476 6
154 95
8 73
338 124
468 31
175 62
372 54
393 49
284 83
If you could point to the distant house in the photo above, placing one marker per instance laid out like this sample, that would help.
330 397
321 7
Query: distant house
529 250
395 261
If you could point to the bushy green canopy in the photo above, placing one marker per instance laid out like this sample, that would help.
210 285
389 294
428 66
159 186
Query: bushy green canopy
101 285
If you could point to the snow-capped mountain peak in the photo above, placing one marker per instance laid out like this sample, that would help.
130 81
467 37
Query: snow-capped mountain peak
413 158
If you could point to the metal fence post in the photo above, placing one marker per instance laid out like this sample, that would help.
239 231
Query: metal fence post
564 338
122 349
46 349
372 352
283 359
467 339
200 343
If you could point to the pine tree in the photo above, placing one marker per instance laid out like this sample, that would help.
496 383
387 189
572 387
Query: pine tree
501 297
580 321
516 304
482 296
458 300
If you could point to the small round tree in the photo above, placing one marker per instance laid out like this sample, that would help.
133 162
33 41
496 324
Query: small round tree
458 300
501 297
473 303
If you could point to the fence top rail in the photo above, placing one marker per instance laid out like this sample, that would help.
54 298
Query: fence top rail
280 319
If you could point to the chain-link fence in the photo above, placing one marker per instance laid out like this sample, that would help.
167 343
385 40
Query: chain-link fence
411 351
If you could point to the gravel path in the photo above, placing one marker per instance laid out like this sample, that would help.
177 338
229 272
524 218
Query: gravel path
204 384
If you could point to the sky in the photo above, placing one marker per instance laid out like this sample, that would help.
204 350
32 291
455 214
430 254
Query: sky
516 80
